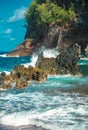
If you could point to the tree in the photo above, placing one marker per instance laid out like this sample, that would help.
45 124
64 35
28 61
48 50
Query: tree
42 13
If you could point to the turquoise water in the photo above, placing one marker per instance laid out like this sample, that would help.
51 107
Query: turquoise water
8 63
46 104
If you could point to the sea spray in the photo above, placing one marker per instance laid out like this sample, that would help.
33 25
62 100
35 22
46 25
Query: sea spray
49 53
3 55
33 61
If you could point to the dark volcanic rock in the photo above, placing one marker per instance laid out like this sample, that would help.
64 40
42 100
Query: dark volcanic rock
64 63
68 58
1 80
56 37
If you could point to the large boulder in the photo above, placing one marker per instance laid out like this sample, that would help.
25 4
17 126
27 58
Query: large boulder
49 65
68 59
65 63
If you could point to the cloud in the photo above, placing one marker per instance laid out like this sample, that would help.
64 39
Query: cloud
12 38
8 31
18 15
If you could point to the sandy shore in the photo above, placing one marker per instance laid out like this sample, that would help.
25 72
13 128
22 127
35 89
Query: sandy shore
28 127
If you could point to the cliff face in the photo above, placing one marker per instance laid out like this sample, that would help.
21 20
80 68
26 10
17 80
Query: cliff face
56 37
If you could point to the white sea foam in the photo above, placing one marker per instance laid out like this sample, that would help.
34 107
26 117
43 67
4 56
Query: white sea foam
7 72
45 119
50 112
49 53
84 58
33 61
3 55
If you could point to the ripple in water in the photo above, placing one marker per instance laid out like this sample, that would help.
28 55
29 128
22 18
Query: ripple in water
44 104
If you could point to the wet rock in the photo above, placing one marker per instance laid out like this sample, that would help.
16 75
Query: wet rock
21 83
29 73
68 58
64 63
3 74
86 52
4 84
48 65
21 75
1 80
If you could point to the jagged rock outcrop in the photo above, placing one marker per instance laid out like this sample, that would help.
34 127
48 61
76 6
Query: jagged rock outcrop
68 59
21 77
65 63
86 51
48 65
3 84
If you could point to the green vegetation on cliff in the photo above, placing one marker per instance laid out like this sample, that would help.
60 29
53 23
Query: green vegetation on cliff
42 13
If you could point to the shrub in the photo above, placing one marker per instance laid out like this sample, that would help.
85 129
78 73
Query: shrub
40 14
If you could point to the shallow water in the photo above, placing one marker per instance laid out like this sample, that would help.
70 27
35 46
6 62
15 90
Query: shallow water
46 104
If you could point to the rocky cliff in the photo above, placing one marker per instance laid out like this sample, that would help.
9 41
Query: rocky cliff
56 37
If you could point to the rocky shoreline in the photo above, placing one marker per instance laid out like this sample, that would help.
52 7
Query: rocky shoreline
65 63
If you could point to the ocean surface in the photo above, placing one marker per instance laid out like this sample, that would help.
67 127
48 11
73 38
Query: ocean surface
45 104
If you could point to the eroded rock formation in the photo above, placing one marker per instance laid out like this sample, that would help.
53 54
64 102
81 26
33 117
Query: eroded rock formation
56 37
65 63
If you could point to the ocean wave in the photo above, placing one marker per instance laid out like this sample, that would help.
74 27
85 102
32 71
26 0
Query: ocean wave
84 58
3 55
49 53
51 119
33 61
38 105
7 72
83 61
